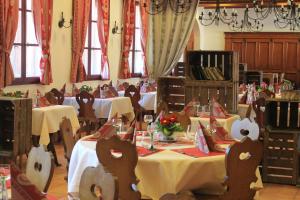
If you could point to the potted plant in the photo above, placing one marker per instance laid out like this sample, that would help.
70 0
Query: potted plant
167 125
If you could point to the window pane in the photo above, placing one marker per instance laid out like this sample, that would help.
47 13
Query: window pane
95 38
95 62
18 34
28 5
30 32
86 44
130 60
138 62
33 57
138 45
137 16
20 3
85 60
15 58
94 11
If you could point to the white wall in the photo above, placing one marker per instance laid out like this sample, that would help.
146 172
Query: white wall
213 38
61 53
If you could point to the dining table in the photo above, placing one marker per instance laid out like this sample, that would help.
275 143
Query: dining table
148 100
46 120
107 107
171 168
225 122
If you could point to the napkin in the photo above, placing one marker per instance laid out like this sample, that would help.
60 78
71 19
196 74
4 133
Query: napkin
75 90
200 141
221 133
217 110
243 100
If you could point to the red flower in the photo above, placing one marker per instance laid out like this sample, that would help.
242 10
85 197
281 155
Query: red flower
164 121
173 119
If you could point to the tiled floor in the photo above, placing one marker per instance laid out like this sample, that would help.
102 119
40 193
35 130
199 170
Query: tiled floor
58 185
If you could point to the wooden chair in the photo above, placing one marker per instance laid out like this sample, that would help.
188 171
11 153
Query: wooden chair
86 116
126 182
134 94
51 98
259 109
68 139
63 89
58 95
40 168
242 161
96 183
162 106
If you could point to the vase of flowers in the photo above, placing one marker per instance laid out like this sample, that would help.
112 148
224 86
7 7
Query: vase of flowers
167 125
85 88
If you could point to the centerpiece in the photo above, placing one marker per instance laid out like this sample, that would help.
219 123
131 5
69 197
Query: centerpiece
167 125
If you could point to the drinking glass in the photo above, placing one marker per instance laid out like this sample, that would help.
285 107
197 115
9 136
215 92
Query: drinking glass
190 135
148 119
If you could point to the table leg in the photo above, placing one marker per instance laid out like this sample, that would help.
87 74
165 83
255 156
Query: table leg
51 148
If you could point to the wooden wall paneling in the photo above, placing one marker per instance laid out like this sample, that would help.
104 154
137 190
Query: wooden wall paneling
270 52
264 54
250 54
278 54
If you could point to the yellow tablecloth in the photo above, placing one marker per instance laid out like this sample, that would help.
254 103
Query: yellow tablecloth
160 173
226 123
242 110
46 120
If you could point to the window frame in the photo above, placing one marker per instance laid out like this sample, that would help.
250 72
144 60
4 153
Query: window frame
133 50
89 48
23 79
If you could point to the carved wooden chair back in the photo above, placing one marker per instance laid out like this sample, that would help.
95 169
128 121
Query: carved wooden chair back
105 87
125 85
51 98
128 160
134 94
96 183
63 89
85 101
162 106
68 138
242 160
58 95
40 167
259 109
96 92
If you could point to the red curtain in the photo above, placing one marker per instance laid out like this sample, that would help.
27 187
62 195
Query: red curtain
42 24
8 28
144 35
80 22
103 32
127 36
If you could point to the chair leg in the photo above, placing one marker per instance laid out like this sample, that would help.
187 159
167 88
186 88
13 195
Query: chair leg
51 148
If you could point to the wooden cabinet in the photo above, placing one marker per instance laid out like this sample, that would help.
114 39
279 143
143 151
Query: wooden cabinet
15 127
270 52
178 91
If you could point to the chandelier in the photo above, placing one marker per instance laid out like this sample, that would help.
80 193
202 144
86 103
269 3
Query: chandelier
217 15
154 7
248 23
288 16
284 16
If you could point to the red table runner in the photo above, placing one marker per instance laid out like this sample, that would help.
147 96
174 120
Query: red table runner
195 152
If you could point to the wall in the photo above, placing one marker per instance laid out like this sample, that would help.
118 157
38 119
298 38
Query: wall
61 53
213 38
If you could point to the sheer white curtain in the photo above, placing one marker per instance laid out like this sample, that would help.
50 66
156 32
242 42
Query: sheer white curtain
167 39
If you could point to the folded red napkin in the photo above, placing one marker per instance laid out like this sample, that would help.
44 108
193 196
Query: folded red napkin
195 152
146 152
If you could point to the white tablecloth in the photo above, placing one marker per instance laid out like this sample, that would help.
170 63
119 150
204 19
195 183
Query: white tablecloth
148 100
107 108
46 120
159 173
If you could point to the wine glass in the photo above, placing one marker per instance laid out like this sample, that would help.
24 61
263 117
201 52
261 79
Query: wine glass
190 135
148 119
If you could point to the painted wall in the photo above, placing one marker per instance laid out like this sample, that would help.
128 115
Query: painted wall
61 53
213 37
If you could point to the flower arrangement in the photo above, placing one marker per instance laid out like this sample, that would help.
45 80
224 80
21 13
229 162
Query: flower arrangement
167 125
85 88
17 94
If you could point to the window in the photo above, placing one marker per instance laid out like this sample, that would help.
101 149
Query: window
92 49
136 60
26 53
